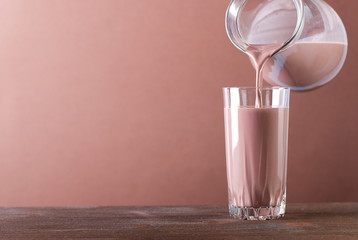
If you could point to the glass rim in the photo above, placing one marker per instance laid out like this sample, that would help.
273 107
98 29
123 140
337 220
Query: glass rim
249 88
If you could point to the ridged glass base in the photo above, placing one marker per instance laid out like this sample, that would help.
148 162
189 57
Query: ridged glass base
260 213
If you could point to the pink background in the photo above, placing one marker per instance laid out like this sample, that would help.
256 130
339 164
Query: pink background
118 102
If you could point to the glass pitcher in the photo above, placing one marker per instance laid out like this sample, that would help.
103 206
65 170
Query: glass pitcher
311 39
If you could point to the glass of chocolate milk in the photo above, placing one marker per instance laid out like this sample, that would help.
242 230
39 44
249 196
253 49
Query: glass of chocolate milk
256 151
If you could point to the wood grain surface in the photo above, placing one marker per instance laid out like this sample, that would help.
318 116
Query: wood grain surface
302 221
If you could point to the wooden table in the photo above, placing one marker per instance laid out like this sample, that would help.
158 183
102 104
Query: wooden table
302 221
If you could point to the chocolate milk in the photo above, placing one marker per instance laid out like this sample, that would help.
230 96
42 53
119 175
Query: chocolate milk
256 148
308 64
256 137
259 55
304 64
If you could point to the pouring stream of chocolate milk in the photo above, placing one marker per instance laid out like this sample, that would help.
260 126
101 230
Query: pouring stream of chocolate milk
260 54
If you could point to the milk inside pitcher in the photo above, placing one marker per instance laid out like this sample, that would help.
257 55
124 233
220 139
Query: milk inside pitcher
310 37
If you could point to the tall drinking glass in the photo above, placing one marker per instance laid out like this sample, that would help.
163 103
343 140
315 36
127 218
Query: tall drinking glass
256 151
